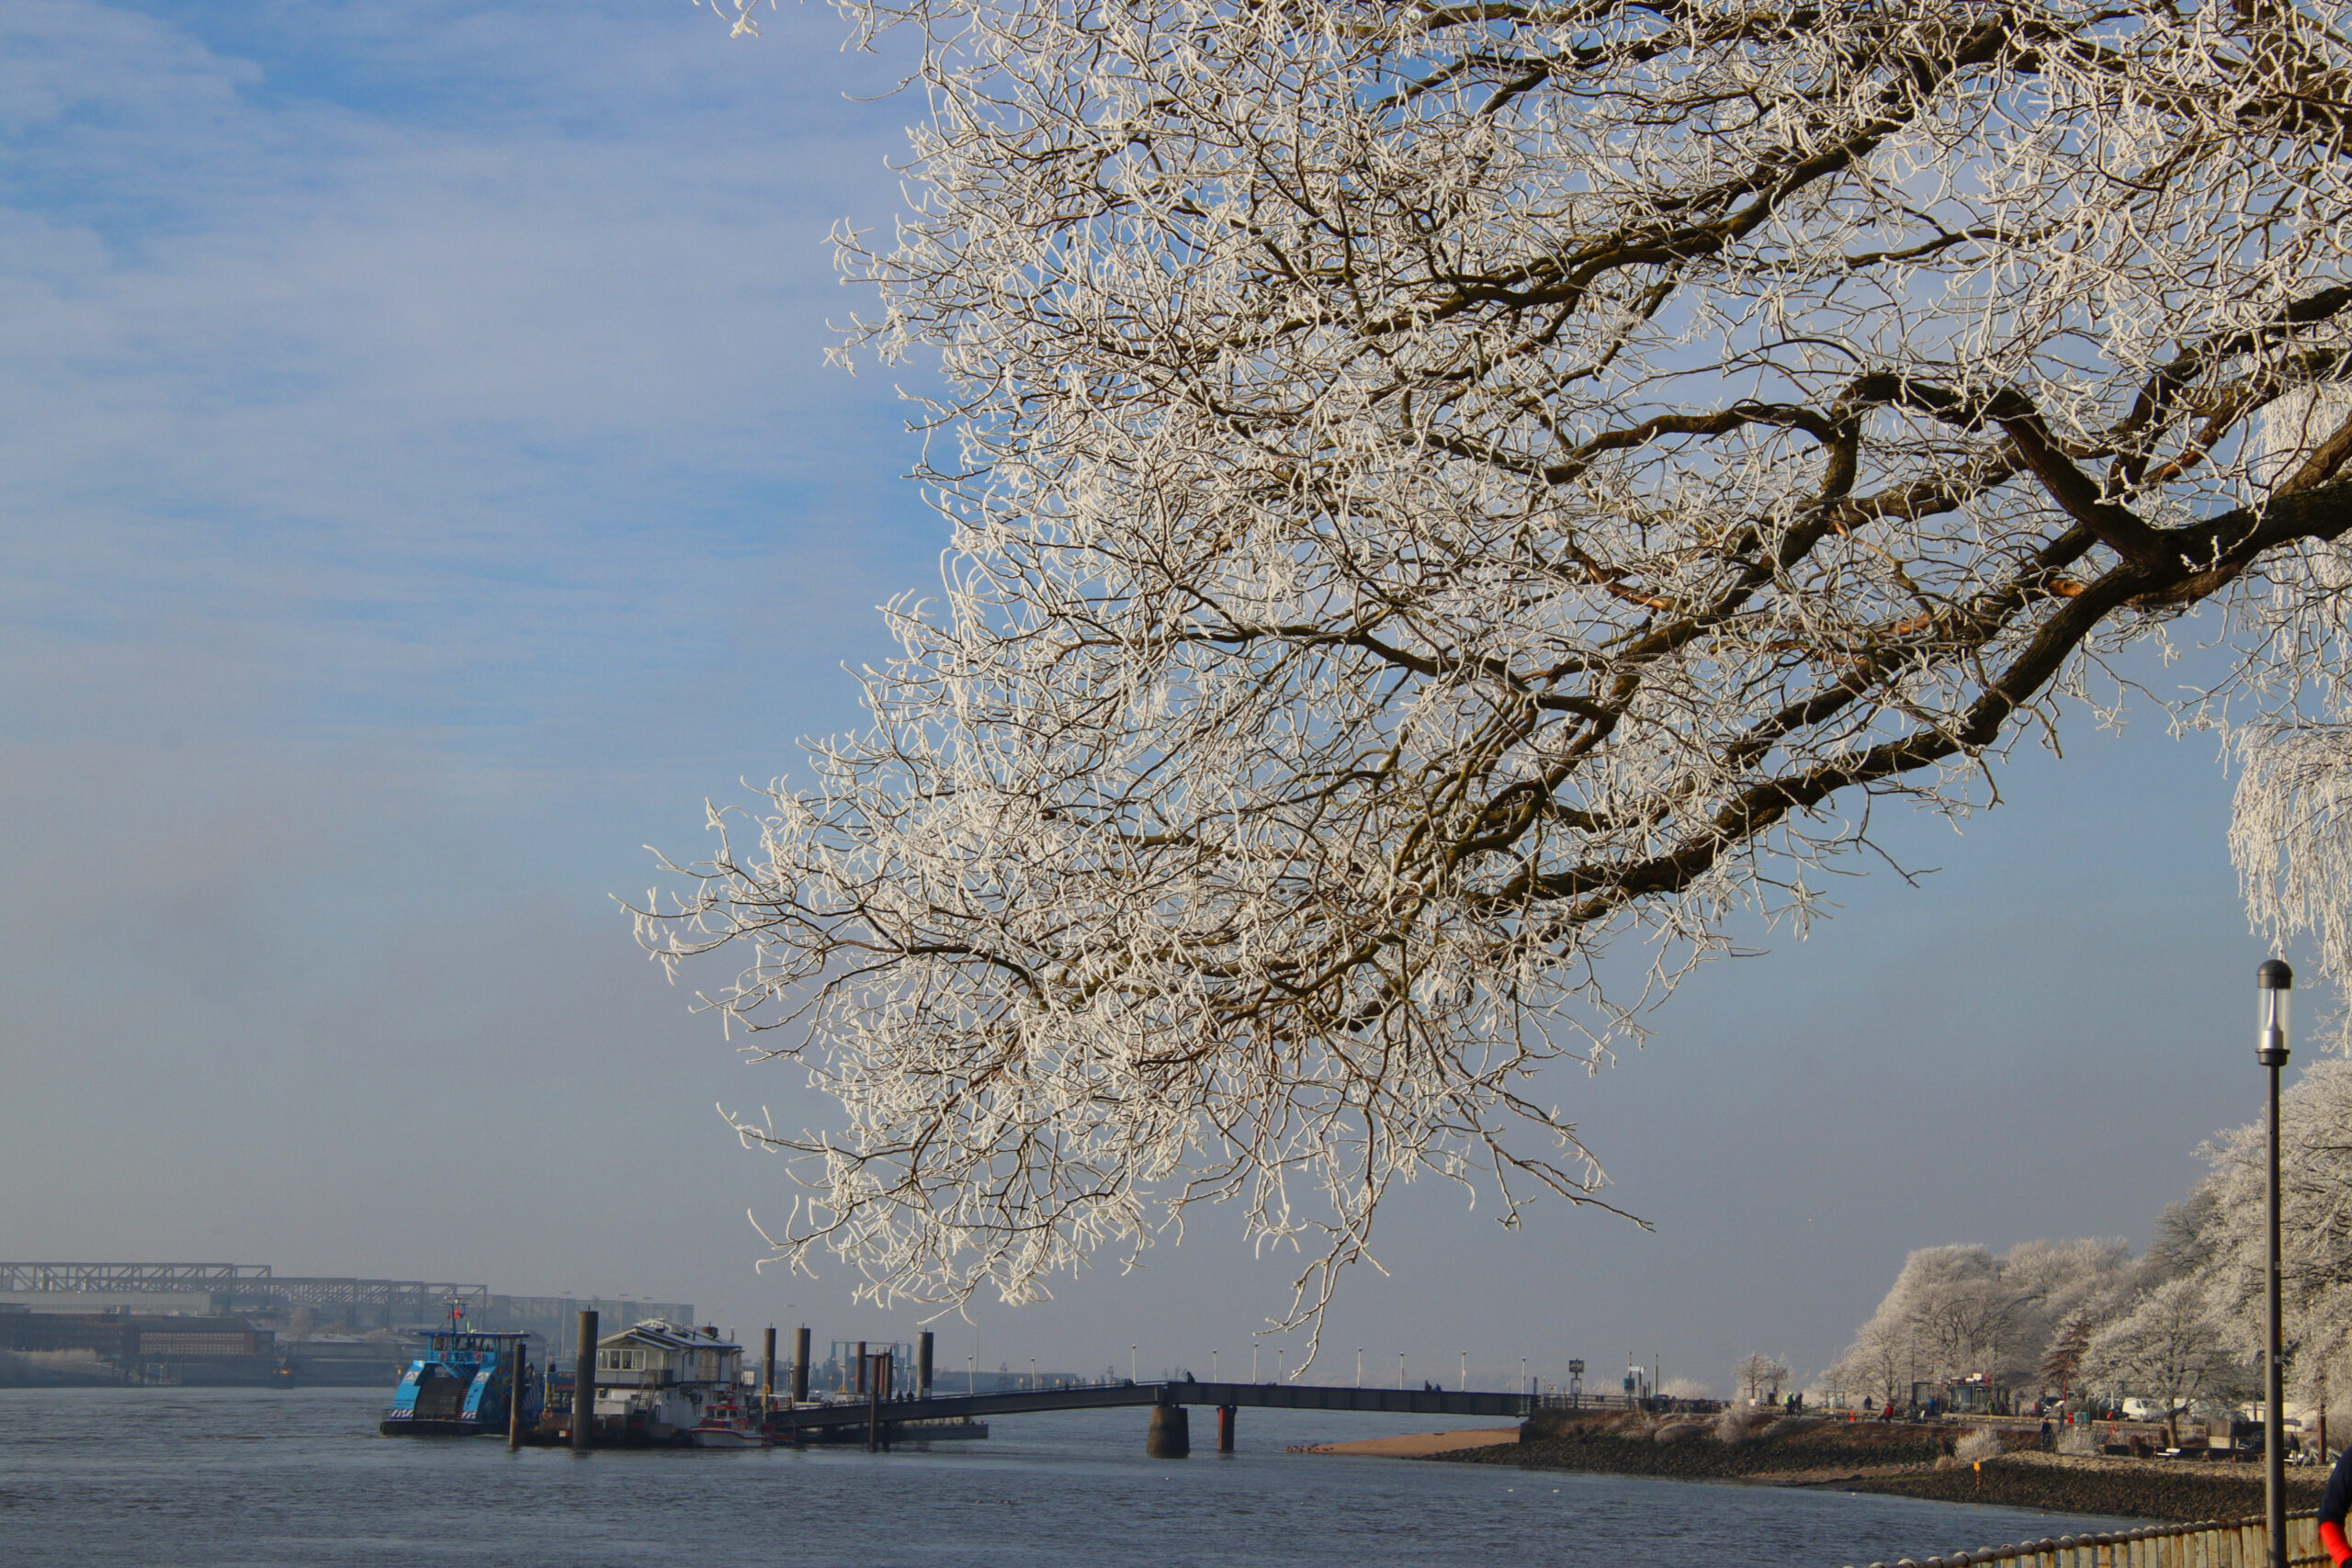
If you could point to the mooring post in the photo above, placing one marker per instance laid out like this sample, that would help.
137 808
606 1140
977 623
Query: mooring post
767 1382
1172 1433
1224 1415
583 1386
922 1365
518 1373
800 1365
860 1386
871 1377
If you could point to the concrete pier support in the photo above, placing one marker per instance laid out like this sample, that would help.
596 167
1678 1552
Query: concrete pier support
583 1386
1224 1415
800 1364
922 1366
1172 1433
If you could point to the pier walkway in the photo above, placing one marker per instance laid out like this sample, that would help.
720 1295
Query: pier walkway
1225 1396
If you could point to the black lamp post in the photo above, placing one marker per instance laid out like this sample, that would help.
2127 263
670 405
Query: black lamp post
2275 984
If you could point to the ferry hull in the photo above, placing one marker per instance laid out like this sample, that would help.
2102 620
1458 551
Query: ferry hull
424 1426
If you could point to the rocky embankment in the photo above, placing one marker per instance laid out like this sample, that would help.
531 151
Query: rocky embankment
2172 1490
1901 1459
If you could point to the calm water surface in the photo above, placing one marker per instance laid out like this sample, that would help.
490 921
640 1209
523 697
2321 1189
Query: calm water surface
223 1478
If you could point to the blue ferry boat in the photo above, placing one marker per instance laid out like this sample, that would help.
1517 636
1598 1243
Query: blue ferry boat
462 1385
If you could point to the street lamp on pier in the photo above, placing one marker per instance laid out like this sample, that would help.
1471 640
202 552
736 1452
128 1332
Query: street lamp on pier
1400 1368
2275 985
1131 1364
1358 1365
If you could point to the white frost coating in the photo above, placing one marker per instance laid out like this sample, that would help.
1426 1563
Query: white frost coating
2315 1226
1437 489
2290 821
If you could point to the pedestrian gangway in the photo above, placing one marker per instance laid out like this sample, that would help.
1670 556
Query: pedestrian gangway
879 1416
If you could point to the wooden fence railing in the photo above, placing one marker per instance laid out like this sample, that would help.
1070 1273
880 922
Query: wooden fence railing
2234 1543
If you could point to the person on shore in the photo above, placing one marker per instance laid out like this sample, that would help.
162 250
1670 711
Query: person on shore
2333 1505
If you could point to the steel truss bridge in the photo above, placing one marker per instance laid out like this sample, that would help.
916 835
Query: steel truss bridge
234 1286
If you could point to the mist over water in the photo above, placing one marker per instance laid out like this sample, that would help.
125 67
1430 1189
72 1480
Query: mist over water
232 1478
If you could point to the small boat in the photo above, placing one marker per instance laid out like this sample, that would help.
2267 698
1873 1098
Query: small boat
724 1424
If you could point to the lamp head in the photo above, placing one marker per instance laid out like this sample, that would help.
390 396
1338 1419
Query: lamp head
2274 989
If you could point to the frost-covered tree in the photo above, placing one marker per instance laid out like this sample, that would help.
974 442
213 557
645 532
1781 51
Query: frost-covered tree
2064 1281
2168 1346
2315 1225
1883 1361
1959 1312
1760 1373
1440 492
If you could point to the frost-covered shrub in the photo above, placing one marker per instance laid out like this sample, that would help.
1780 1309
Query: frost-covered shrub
1982 1444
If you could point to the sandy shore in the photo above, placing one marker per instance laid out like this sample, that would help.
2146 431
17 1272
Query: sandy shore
1418 1445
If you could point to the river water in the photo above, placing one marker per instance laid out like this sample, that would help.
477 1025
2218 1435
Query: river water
225 1478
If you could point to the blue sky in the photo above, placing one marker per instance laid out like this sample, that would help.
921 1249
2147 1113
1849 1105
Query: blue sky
424 489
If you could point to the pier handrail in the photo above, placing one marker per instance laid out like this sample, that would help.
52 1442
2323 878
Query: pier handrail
2209 1543
1182 1391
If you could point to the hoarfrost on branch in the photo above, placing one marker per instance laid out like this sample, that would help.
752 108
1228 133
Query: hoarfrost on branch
1438 490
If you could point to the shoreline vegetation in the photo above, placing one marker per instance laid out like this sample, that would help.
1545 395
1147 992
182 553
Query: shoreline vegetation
1899 1458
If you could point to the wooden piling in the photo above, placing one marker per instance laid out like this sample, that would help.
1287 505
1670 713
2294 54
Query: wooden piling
922 1365
800 1365
767 1381
1224 1418
519 1372
583 1385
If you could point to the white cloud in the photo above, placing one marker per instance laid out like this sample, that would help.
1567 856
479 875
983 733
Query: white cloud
329 373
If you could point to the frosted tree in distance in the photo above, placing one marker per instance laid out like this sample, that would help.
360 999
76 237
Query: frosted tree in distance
1443 493
2169 1347
2315 1212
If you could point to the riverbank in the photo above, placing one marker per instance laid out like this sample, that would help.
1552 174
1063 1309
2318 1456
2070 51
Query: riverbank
1892 1459
2174 1491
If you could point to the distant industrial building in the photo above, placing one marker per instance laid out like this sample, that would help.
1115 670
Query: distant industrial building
135 1348
301 1306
